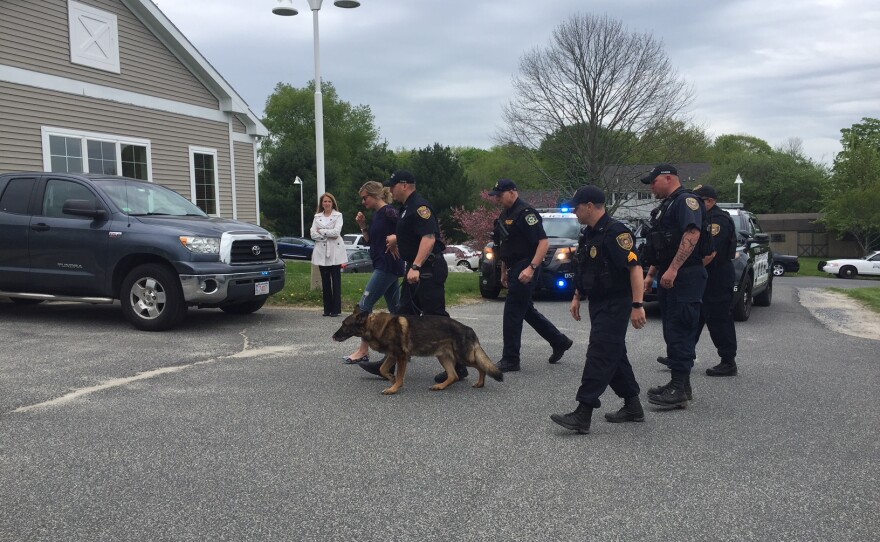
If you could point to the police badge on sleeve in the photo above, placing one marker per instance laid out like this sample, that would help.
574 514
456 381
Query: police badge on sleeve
531 219
625 241
424 212
692 203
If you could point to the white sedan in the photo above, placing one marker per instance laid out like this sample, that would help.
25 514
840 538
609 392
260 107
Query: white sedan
461 256
847 269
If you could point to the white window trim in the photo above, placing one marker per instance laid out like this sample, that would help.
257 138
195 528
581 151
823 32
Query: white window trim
75 10
192 175
83 136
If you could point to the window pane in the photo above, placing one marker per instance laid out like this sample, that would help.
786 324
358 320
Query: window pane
134 161
56 146
203 175
65 154
102 157
74 165
59 164
17 196
58 191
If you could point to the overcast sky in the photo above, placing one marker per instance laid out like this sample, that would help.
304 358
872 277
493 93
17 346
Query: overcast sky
440 70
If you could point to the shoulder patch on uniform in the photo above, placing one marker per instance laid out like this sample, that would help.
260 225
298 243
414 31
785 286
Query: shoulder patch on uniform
531 219
632 257
424 212
692 203
625 241
716 229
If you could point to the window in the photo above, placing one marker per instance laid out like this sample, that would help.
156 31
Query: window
58 191
203 178
777 237
72 151
17 196
646 196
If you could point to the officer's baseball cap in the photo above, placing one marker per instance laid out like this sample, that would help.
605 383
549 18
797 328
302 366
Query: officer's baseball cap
400 176
660 169
706 191
503 185
586 194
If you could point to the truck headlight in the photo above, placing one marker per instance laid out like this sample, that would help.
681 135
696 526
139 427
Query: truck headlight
563 254
201 245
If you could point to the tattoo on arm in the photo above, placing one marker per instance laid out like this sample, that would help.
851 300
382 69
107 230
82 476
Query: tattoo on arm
688 242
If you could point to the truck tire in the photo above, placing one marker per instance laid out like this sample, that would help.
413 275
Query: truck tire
151 298
489 292
742 307
766 297
246 307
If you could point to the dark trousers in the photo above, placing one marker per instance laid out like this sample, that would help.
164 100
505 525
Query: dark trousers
331 285
428 295
680 310
607 363
715 313
518 307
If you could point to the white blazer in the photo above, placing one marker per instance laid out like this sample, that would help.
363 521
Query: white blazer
327 233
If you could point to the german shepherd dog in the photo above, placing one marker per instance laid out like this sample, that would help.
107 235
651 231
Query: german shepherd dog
403 336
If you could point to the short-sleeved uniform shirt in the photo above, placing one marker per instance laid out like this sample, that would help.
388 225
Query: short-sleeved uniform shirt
610 241
526 230
416 221
685 212
384 224
723 234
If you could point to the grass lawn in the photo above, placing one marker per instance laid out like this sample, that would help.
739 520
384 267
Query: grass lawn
869 296
460 288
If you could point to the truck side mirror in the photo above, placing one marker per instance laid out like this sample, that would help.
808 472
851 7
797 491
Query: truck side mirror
82 207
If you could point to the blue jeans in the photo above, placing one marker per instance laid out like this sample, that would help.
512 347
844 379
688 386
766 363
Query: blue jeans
381 283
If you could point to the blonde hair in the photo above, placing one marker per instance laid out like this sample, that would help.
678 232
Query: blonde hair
376 190
332 198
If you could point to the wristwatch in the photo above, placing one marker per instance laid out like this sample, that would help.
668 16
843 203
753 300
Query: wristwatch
638 304
415 267
533 266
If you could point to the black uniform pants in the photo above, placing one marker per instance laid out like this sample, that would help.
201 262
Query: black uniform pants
518 307
607 363
715 313
428 295
331 287
680 310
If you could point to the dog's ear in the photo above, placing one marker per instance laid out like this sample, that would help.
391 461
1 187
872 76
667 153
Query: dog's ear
360 316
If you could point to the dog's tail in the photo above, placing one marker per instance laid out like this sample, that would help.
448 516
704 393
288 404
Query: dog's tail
484 363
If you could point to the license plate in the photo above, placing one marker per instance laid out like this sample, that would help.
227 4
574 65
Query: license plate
261 288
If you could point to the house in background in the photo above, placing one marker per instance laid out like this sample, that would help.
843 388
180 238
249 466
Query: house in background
112 86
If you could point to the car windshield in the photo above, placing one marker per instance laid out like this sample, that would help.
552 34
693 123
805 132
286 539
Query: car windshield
563 227
137 198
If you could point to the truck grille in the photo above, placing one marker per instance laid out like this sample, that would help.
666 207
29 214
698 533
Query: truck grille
253 251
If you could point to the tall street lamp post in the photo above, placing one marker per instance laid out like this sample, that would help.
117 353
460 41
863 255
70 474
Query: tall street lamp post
286 8
738 182
302 223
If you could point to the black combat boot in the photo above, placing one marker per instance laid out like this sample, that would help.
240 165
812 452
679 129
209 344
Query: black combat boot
559 350
579 420
372 367
658 390
663 360
460 370
631 411
725 368
673 395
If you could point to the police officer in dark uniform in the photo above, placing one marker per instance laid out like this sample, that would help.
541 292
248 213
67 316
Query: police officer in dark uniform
609 274
718 297
523 246
418 243
674 247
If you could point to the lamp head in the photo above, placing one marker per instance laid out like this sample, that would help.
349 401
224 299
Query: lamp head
346 3
285 8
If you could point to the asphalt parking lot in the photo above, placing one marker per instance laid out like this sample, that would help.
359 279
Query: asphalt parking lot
251 428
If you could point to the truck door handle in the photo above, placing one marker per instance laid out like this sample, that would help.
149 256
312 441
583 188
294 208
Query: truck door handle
40 227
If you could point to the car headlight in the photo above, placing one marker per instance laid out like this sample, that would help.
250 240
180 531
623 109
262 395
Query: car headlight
830 264
563 254
201 245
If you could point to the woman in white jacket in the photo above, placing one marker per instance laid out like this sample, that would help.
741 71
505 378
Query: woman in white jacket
329 253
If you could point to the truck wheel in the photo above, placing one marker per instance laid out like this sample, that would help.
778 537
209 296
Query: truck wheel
489 292
848 272
766 297
246 307
151 298
742 308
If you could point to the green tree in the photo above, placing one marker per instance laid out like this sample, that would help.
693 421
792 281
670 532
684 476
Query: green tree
484 167
350 148
852 196
441 179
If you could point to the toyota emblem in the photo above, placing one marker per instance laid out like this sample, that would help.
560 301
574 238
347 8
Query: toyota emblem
255 250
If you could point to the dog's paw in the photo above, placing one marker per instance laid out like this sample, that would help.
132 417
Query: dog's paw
478 385
390 391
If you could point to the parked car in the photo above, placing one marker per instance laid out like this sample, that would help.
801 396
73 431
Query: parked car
462 256
354 239
101 238
784 263
359 260
295 248
557 269
850 268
